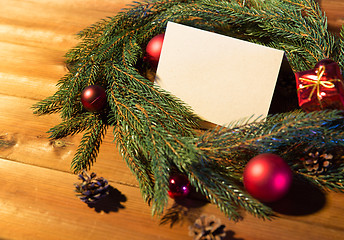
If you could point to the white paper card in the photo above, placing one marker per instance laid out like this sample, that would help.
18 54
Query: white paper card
223 79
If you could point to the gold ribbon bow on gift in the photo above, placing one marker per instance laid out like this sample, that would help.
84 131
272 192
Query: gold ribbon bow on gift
317 83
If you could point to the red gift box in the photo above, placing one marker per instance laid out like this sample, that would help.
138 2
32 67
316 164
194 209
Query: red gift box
320 88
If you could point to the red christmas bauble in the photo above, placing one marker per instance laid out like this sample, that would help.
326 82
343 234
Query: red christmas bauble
93 98
267 177
179 186
153 49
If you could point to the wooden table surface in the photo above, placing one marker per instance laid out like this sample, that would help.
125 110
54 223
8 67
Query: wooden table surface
37 200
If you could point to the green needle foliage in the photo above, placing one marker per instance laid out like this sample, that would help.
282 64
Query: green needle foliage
155 131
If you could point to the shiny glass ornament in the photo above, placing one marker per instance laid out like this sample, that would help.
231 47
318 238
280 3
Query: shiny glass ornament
93 98
267 177
179 186
153 49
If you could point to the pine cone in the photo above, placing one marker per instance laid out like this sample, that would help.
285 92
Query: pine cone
317 163
207 228
91 189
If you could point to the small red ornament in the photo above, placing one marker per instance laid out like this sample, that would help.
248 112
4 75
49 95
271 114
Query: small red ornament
179 186
153 49
321 88
267 177
93 98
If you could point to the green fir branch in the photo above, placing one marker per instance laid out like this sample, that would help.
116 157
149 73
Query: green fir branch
224 192
155 131
333 181
152 123
216 184
88 149
136 161
72 126
177 117
271 133
52 104
341 49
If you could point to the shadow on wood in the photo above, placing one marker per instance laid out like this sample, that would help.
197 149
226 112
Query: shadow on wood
230 236
183 210
302 199
188 210
111 202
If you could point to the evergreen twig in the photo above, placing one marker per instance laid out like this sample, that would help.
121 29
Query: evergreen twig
155 131
89 146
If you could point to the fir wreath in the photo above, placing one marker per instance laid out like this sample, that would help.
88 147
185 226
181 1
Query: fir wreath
155 132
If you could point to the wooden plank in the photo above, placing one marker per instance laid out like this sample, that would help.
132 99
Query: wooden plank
31 146
66 17
334 10
39 203
36 194
29 72
26 140
35 35
28 143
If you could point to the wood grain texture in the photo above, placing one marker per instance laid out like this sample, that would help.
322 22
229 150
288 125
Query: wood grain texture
36 192
334 10
39 203
28 142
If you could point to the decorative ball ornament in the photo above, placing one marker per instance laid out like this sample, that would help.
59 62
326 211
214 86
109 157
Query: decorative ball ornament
93 98
153 49
179 186
267 177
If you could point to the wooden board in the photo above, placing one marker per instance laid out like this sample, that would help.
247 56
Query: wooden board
36 192
334 10
39 203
